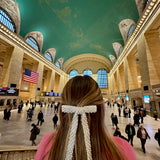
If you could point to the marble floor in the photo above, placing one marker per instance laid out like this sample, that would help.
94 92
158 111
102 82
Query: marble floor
16 131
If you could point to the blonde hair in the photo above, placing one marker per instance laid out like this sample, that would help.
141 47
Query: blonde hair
84 91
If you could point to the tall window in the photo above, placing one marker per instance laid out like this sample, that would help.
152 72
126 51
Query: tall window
73 73
48 56
87 72
58 64
130 31
102 78
32 42
6 20
120 50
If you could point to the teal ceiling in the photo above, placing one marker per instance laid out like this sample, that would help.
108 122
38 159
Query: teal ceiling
75 27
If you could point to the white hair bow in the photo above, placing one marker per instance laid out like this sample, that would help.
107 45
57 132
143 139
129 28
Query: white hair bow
79 111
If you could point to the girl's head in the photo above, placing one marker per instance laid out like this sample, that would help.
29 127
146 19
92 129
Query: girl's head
81 91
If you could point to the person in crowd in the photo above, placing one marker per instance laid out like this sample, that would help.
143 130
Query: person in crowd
129 113
119 111
5 113
112 119
27 103
136 119
130 131
126 112
155 115
143 135
157 136
34 132
29 114
41 104
118 133
55 120
141 113
40 118
82 134
19 108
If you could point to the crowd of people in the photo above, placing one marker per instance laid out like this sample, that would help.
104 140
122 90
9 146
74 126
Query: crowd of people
30 112
138 118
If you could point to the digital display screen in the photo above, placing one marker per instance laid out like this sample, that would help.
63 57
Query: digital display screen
47 93
146 98
12 92
127 98
3 90
51 93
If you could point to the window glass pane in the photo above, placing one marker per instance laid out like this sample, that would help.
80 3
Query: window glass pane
48 56
58 65
5 19
130 31
32 42
87 72
102 78
120 50
73 73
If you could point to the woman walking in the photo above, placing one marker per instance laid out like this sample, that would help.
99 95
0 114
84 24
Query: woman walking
143 135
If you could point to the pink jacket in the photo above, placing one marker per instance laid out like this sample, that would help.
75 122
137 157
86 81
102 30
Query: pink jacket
123 145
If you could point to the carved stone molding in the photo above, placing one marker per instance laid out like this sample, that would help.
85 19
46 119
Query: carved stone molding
38 37
112 58
116 47
60 60
12 9
124 27
141 4
81 62
52 52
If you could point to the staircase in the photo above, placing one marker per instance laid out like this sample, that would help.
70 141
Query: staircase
17 152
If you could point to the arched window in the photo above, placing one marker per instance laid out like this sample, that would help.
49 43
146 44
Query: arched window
130 31
87 72
6 20
73 73
48 56
102 78
32 42
58 64
120 50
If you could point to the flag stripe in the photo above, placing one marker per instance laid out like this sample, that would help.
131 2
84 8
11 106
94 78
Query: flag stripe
31 76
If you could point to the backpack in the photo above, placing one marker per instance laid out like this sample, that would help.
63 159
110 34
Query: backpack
38 131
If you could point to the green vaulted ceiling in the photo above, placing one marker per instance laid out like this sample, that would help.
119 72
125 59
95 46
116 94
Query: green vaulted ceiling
75 27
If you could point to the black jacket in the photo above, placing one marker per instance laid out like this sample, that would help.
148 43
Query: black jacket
127 130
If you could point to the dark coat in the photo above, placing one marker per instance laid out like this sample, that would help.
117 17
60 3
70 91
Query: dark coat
33 133
55 119
139 133
40 116
157 136
136 118
127 130
117 133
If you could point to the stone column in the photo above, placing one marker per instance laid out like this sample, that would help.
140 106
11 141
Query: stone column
51 84
34 87
143 64
11 73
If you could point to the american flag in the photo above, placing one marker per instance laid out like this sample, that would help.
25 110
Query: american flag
30 76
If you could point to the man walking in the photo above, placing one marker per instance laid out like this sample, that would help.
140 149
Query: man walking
40 118
130 130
